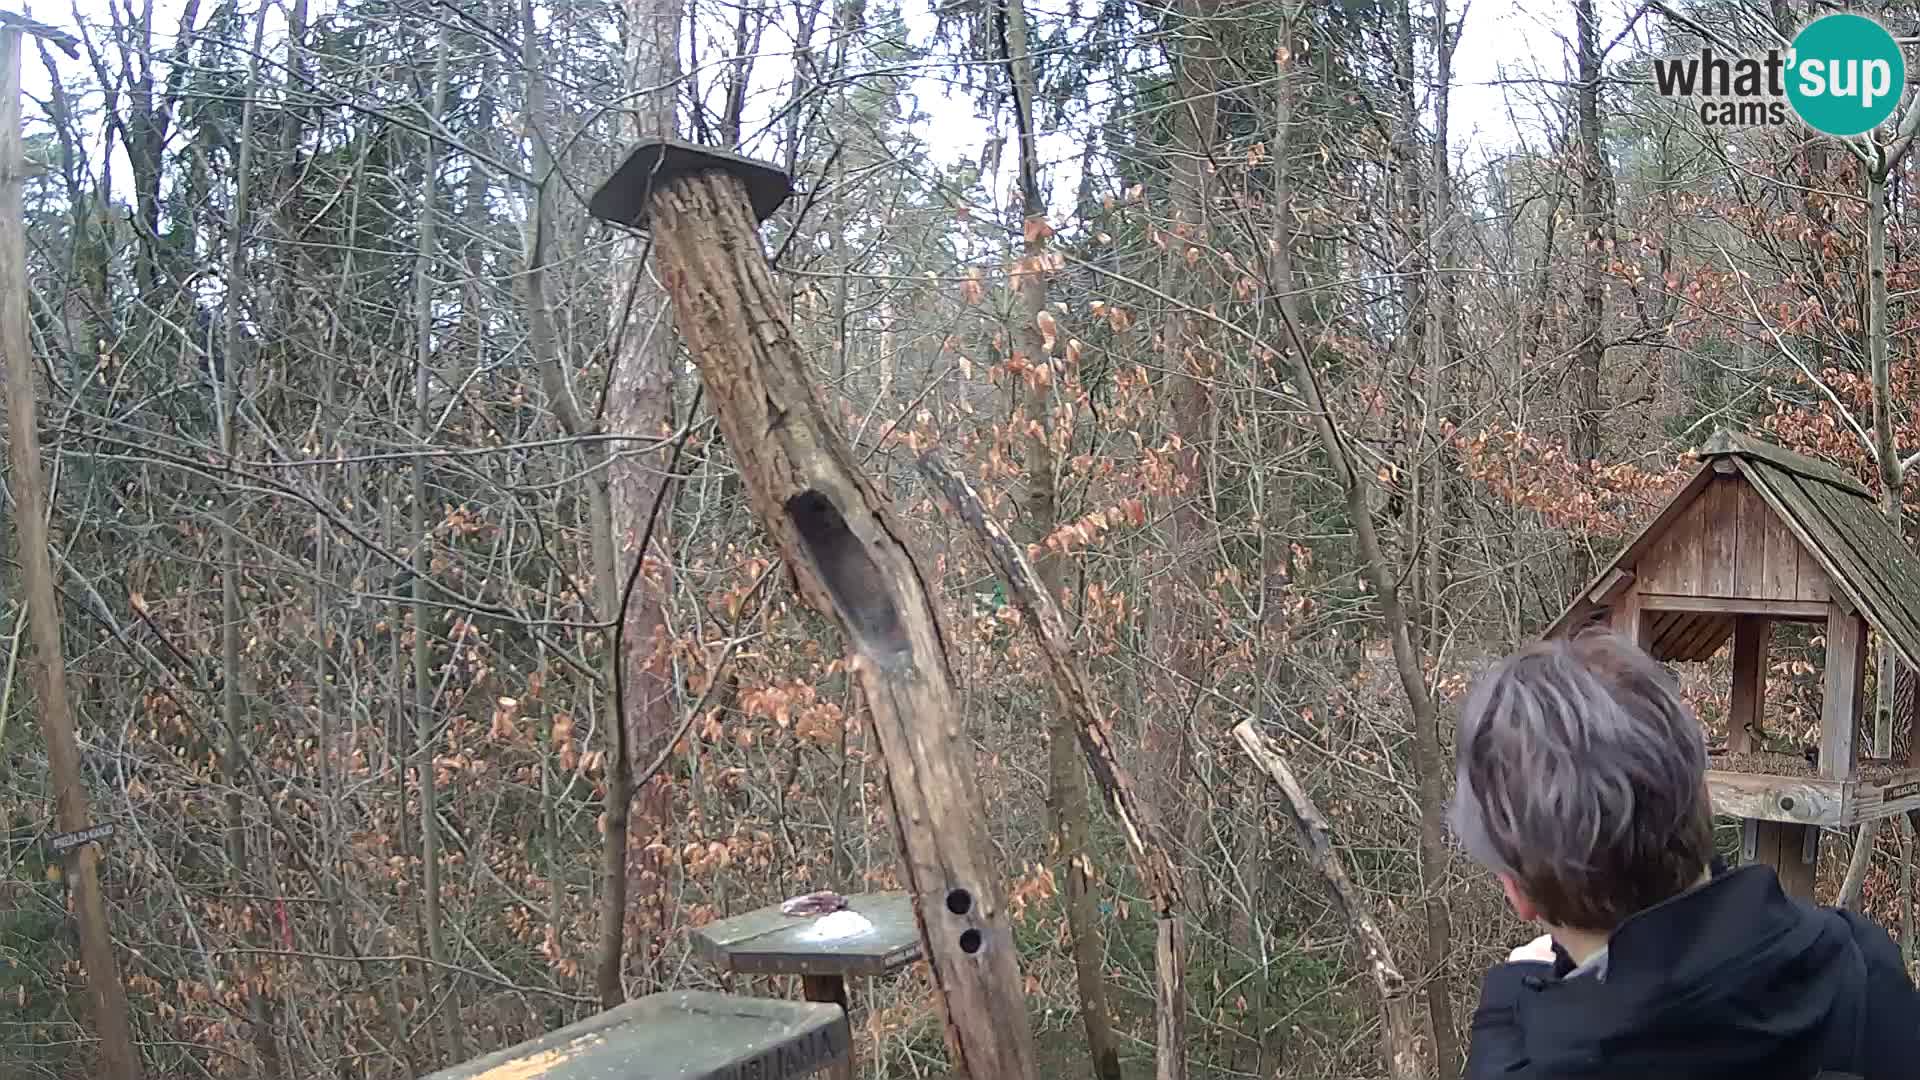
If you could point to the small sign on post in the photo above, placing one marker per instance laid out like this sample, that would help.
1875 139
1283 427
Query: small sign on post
64 842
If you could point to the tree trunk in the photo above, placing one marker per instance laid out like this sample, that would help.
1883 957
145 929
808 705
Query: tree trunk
1067 777
425 730
845 547
1400 1020
225 371
1589 347
1428 761
1179 628
1887 454
640 405
1140 822
1437 406
119 1057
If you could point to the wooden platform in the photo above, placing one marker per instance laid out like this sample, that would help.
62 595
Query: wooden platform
1810 800
678 1035
767 941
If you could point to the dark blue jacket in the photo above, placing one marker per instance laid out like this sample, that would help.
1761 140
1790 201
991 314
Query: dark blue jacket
1733 980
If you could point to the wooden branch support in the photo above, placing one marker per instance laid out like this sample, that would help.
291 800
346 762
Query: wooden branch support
1138 820
846 549
1403 1044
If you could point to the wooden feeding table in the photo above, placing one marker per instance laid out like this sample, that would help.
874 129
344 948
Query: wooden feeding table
1757 536
678 1035
768 941
1781 787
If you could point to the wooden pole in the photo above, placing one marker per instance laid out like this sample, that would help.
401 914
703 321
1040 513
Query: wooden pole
847 552
1401 1039
1138 820
118 1057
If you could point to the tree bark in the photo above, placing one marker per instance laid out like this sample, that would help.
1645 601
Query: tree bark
1067 777
1179 628
1887 455
640 404
1436 418
225 371
119 1058
1589 347
1400 1020
424 727
846 549
1429 764
1429 761
1139 821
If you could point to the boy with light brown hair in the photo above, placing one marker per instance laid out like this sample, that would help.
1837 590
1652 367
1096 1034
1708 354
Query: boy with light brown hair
1582 785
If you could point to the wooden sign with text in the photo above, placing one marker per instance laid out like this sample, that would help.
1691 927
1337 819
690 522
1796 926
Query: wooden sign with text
67 841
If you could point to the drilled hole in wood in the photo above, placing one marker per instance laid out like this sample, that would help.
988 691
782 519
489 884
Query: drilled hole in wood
959 901
1786 802
855 582
970 941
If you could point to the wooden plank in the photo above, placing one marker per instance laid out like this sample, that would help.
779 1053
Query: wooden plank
1663 625
1899 794
1665 622
1612 584
1784 497
682 1034
1813 583
1702 636
1906 689
1840 694
1808 800
1845 544
1728 442
1719 537
1753 523
1780 563
1750 517
830 990
1720 637
1734 605
1673 564
1687 643
1890 588
1784 847
1629 621
1748 707
1629 558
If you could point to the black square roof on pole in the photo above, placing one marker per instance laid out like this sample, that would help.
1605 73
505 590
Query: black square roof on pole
625 196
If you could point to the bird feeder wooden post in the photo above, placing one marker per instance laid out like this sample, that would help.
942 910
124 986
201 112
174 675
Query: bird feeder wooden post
1756 537
847 552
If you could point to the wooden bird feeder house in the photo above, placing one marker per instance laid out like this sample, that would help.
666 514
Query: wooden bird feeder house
1757 536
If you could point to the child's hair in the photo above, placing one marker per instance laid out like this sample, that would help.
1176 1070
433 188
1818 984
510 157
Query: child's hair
1582 775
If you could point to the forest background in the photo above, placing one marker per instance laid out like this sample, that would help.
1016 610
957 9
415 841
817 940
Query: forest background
356 425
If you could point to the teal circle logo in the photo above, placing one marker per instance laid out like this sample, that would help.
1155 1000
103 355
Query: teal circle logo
1847 74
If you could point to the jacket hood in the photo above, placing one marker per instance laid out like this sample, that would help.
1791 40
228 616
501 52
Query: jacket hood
1733 979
